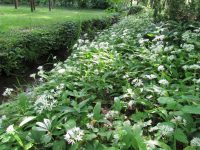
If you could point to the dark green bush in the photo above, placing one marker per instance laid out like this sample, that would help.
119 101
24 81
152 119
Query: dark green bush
135 9
29 46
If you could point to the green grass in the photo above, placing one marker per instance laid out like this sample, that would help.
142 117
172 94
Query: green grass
22 18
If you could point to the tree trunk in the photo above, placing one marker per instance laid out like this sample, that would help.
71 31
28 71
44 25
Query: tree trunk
49 5
131 2
34 5
31 4
138 2
16 4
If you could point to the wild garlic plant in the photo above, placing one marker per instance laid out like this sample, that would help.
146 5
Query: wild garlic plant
135 86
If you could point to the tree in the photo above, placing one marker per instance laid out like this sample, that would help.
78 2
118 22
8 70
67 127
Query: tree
16 4
50 5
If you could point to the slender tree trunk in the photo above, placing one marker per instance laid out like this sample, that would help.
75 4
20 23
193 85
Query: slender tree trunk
16 4
49 5
34 5
54 4
138 2
31 4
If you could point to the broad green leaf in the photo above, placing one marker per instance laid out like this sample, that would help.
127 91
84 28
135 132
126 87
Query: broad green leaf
59 145
191 110
97 111
28 146
165 100
180 136
26 120
190 148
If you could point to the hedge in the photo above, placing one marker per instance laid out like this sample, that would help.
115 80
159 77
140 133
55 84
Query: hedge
29 46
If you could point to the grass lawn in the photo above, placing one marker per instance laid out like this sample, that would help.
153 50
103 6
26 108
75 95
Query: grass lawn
22 18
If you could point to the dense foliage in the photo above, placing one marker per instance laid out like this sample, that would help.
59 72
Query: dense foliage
184 10
29 46
102 4
135 87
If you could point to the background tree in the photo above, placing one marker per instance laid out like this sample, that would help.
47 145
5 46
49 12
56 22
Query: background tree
16 4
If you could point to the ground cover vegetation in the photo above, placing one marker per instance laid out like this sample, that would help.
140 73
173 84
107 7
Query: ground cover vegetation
25 38
136 86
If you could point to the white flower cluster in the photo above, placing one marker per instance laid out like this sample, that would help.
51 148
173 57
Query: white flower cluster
163 82
150 77
188 47
45 102
1 120
191 67
161 68
74 135
10 129
8 92
164 130
111 114
137 82
195 142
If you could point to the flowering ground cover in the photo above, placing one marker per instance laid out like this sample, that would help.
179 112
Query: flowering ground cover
136 86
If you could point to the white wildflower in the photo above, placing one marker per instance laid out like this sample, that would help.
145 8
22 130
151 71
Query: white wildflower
130 93
194 66
149 96
74 135
40 68
188 47
196 81
45 102
151 144
163 82
195 142
130 104
33 75
150 77
10 129
161 68
2 119
164 130
8 92
137 82
89 126
159 37
111 114
61 71
90 115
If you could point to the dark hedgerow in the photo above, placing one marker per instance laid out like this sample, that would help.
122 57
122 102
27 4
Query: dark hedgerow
30 45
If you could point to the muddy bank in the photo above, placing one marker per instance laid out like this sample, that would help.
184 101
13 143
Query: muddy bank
21 79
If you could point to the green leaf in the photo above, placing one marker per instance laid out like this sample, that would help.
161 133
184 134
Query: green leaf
165 100
180 136
28 146
70 124
46 138
190 148
26 120
97 111
191 110
59 145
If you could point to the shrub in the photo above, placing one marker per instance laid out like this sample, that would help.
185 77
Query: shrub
135 9
31 45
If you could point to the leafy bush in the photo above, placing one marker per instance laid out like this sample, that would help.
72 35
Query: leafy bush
136 86
31 45
135 9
